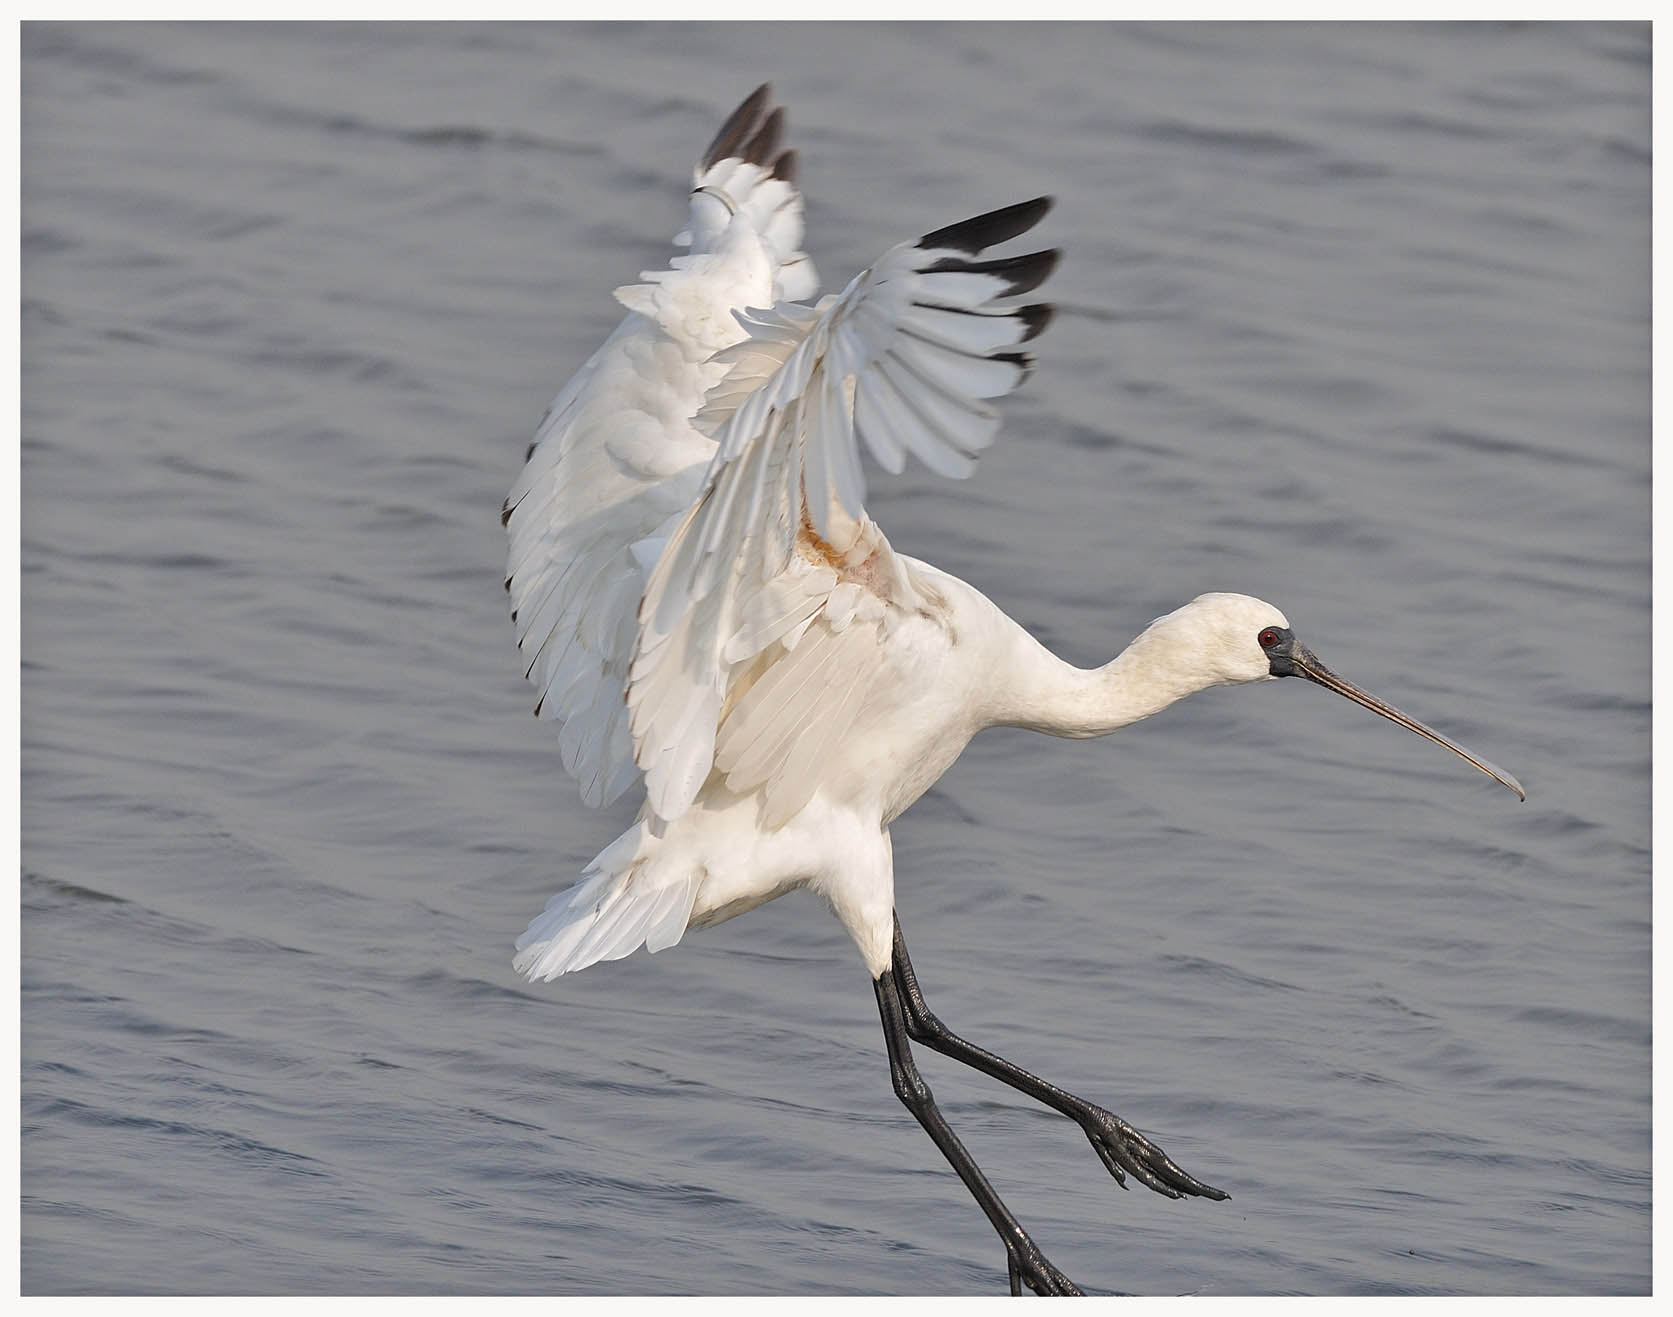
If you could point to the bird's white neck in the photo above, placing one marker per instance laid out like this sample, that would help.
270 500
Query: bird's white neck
1048 695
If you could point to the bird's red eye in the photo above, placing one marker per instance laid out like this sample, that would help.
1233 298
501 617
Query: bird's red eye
1268 638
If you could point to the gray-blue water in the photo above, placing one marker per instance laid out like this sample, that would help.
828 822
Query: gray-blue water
1355 319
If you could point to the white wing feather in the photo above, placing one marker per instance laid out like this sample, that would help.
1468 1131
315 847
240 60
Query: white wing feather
777 549
617 460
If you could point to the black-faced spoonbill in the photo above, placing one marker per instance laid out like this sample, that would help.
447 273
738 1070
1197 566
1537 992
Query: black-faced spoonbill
703 602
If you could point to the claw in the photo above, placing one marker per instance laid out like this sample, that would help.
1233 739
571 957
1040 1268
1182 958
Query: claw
1038 1274
1110 1163
1122 1148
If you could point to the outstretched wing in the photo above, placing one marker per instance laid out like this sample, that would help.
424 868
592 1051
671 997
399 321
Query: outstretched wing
766 609
617 461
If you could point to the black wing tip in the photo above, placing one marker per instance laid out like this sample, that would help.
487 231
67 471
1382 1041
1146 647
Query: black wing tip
1036 315
739 127
787 167
764 143
1023 361
982 231
1023 273
1033 270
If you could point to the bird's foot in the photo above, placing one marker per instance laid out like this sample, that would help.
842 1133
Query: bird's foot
1123 1149
1028 1266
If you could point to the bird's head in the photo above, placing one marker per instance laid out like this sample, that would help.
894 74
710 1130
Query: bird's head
1226 639
1221 638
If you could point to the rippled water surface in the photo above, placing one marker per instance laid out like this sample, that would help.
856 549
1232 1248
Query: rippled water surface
1355 319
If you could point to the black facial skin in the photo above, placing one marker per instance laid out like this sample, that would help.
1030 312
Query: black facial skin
1279 644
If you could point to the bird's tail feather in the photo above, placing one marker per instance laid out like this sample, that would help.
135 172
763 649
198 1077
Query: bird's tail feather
613 910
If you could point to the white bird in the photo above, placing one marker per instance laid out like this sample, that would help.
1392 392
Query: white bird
704 602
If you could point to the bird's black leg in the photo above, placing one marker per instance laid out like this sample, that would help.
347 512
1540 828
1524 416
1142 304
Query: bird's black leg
1121 1147
1024 1261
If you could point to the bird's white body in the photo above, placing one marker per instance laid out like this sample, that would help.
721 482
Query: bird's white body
948 672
